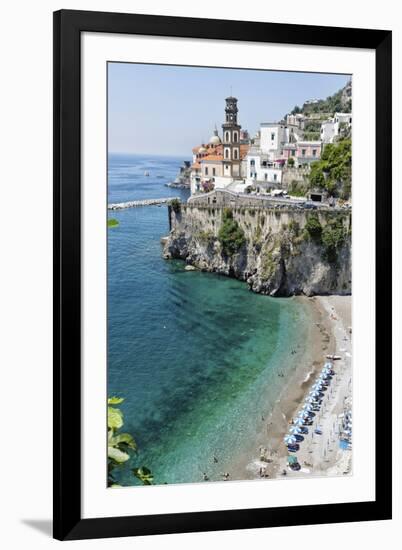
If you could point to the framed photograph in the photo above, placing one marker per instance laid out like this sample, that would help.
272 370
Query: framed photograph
222 274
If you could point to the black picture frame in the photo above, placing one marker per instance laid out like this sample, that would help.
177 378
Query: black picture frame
68 26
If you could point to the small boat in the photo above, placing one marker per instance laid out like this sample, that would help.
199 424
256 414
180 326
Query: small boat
146 173
333 357
318 431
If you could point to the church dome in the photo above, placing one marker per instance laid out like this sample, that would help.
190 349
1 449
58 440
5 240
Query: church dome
202 149
215 139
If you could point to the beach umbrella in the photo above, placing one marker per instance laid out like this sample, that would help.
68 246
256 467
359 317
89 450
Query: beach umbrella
308 407
318 386
292 459
298 422
325 377
296 429
327 369
289 439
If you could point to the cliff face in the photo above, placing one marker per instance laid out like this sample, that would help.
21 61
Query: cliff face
283 252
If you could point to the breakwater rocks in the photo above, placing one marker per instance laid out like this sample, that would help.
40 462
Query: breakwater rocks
144 202
277 252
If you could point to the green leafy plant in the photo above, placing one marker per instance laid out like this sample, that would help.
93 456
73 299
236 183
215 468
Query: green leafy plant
120 444
230 235
144 475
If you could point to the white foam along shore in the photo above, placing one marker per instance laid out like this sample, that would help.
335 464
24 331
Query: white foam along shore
321 455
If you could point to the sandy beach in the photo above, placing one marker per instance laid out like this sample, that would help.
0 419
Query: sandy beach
319 455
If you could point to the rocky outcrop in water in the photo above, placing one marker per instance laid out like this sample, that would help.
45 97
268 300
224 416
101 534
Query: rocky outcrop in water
283 253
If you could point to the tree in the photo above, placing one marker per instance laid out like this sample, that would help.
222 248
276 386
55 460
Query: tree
333 171
291 162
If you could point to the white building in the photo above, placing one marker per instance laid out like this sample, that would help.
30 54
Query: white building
332 128
261 168
272 137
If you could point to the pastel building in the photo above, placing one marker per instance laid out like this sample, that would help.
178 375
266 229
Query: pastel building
303 152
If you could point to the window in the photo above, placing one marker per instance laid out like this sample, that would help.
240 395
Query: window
235 136
235 154
226 136
214 171
272 136
265 176
314 152
252 162
206 170
226 153
293 153
275 177
303 152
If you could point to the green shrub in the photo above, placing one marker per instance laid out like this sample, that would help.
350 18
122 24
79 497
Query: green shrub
313 226
176 205
333 236
231 235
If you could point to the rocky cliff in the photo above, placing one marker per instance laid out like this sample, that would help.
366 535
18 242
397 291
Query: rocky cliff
277 252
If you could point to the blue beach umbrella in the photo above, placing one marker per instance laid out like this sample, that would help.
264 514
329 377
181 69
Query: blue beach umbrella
289 439
318 386
295 430
324 376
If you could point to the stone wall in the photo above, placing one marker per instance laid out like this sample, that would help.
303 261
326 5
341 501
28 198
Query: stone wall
279 256
294 174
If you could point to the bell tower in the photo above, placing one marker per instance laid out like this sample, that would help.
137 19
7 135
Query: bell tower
231 139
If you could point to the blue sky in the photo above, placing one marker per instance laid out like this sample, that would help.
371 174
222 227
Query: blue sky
166 110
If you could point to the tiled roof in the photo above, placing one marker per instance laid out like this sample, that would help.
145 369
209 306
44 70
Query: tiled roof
196 166
244 150
210 149
212 157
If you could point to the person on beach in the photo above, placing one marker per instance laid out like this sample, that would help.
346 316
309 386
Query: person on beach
226 476
205 477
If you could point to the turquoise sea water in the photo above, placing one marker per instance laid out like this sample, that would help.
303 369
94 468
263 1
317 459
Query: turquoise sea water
195 355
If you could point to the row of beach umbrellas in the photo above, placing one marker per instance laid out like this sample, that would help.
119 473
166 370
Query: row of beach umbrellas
312 404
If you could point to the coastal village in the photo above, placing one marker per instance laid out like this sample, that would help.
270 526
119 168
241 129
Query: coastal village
277 161
274 210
